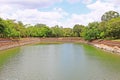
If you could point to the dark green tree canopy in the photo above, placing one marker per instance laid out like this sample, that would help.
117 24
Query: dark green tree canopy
77 29
109 15
93 25
109 28
40 25
1 28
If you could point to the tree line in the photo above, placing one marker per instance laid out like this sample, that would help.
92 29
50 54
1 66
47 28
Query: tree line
108 28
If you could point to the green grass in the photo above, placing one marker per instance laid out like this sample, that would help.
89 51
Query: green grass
5 55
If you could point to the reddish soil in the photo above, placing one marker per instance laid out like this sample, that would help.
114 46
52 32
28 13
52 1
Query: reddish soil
10 43
108 42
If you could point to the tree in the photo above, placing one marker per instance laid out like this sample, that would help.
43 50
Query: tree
40 25
113 28
91 32
77 29
93 25
67 32
2 28
10 30
103 29
57 31
109 15
45 31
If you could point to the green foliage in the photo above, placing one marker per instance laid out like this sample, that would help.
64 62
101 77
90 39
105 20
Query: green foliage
109 15
113 28
57 31
45 32
77 29
39 31
40 25
68 32
10 30
102 28
109 28
2 28
91 32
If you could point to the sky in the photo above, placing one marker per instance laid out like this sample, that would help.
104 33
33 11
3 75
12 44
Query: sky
64 13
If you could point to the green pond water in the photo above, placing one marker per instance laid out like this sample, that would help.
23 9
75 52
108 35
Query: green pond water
68 61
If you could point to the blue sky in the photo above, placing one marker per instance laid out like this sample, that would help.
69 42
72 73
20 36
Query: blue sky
77 7
65 13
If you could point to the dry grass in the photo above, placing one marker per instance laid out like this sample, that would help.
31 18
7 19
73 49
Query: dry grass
117 40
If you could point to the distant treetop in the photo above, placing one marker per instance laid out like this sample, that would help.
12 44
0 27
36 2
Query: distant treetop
109 15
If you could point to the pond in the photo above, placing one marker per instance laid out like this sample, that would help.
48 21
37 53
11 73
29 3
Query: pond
67 61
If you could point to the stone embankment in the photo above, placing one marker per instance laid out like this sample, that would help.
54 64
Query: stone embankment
8 43
108 45
11 43
111 46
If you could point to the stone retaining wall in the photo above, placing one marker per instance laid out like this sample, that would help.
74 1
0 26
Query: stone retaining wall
12 44
105 45
113 49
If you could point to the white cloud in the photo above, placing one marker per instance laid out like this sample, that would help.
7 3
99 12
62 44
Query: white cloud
28 11
73 1
33 16
98 5
87 1
56 16
113 1
82 1
97 8
29 3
